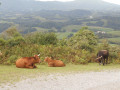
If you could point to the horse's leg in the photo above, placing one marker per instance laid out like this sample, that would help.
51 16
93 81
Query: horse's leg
107 60
103 61
100 62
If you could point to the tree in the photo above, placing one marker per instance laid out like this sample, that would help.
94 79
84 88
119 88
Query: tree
13 37
83 39
104 45
2 42
42 38
12 32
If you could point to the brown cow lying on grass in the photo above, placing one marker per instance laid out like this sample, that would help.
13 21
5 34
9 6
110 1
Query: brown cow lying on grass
28 62
54 63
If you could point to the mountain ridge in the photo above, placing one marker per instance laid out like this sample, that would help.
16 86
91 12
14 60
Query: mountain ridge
32 5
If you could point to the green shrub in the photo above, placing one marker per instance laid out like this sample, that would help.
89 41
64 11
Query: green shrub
2 42
42 38
83 39
12 59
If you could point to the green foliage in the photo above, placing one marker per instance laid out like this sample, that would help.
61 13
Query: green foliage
15 41
83 39
104 45
12 32
12 59
83 58
42 38
2 42
79 49
12 37
62 42
66 54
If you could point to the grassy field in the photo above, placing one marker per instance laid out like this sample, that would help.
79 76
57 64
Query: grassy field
63 35
12 74
117 39
92 28
69 28
113 40
115 33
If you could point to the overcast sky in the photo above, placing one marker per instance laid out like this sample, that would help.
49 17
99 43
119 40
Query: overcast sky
56 0
111 1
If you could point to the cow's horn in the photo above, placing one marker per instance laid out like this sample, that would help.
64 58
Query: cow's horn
38 54
99 57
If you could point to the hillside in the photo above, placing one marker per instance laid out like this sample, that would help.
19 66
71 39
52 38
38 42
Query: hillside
63 18
32 5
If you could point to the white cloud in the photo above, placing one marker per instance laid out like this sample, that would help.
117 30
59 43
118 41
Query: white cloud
56 0
113 1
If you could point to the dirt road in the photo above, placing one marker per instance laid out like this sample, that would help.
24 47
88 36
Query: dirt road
105 80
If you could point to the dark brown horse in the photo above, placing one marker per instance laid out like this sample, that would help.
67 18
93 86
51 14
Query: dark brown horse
102 57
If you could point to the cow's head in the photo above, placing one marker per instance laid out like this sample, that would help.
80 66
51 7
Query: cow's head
98 59
47 59
37 59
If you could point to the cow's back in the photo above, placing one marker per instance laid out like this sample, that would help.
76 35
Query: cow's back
102 53
58 63
20 63
105 53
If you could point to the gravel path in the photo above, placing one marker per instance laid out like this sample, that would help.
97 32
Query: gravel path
105 80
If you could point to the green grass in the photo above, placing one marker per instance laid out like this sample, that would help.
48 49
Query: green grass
115 33
113 40
63 35
41 29
40 18
117 39
69 28
93 28
12 74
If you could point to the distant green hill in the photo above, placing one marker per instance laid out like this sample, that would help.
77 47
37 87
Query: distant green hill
32 5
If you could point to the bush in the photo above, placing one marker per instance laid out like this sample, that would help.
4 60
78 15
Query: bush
83 39
15 41
79 49
2 42
42 38
12 59
80 60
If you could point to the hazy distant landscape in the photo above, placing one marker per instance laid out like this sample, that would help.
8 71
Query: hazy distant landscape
20 20
62 18
32 5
